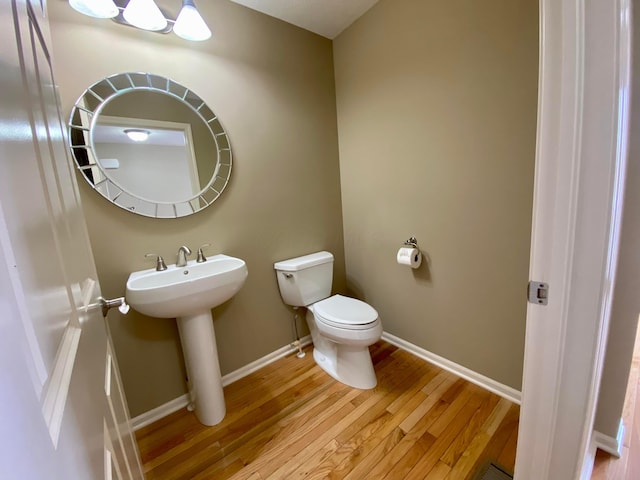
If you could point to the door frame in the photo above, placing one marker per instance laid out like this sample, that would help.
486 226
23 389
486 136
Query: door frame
584 82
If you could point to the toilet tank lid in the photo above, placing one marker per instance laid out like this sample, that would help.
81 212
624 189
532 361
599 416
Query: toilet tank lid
306 261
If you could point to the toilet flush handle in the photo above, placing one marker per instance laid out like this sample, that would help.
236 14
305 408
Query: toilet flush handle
287 275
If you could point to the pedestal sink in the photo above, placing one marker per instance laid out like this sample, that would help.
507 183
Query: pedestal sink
188 294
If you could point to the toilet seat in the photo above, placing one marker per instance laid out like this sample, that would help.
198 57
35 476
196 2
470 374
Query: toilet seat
345 312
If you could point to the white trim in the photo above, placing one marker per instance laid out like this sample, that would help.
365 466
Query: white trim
579 166
55 397
609 444
476 378
590 458
176 404
262 362
157 413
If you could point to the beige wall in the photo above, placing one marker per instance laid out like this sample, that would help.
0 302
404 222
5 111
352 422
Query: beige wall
272 86
626 301
436 108
437 122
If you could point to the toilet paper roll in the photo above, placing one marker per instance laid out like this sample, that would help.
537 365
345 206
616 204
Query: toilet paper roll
409 256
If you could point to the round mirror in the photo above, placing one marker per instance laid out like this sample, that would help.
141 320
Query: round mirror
150 145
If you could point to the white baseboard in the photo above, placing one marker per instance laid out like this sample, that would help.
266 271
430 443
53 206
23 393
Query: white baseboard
589 461
485 382
157 413
176 404
262 362
609 444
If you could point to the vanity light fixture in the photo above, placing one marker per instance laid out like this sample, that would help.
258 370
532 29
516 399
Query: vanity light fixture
146 15
190 24
95 8
137 134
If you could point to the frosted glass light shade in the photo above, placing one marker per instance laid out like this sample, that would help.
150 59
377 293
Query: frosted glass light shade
144 14
190 25
137 134
95 8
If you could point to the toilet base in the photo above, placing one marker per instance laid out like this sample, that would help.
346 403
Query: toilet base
346 359
351 366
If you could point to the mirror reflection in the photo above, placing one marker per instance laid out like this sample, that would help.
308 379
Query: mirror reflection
150 146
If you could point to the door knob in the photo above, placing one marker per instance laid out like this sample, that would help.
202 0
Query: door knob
119 302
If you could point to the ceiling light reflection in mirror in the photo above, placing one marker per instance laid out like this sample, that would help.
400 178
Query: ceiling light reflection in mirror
156 160
135 134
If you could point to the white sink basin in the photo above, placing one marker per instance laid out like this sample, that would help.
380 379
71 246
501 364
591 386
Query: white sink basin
188 294
180 291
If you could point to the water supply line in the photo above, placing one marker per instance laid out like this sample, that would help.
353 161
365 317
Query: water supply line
297 343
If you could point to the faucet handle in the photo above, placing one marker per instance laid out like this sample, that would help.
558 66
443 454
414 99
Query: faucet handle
201 257
160 265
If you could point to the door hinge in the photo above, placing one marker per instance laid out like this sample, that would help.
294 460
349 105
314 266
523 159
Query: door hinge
538 292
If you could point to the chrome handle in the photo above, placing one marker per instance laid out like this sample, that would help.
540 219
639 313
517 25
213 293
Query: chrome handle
412 242
287 275
201 257
160 265
119 302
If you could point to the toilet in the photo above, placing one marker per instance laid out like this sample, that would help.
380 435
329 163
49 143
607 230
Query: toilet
342 328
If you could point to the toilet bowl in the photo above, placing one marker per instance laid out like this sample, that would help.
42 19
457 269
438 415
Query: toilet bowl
342 328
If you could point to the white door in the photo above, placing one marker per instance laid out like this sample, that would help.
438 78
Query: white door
62 410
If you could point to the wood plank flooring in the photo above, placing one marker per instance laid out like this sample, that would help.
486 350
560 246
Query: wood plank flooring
291 420
627 467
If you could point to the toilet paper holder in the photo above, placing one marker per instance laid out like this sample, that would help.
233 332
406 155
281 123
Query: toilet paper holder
410 254
412 242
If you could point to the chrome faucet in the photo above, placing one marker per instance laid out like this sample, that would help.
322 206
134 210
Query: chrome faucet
183 253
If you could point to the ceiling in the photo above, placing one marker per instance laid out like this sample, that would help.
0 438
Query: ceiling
324 17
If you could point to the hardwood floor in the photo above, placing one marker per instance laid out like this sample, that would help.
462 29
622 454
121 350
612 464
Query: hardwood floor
627 467
292 420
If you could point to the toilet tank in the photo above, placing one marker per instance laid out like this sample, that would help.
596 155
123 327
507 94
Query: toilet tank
305 280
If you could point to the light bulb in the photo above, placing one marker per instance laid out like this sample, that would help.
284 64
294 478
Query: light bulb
95 8
190 25
145 14
137 134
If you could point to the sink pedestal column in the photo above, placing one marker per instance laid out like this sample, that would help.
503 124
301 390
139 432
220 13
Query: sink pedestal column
198 340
